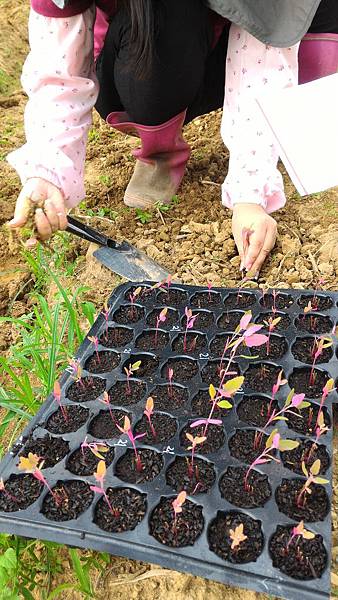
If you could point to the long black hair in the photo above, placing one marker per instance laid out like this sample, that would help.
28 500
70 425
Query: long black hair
142 36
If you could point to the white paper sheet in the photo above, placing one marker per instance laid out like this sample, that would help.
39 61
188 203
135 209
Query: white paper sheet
304 121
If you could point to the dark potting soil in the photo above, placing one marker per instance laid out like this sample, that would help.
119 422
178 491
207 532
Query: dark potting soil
318 302
84 462
276 349
178 533
229 320
305 423
125 395
301 559
49 449
212 372
254 410
205 299
151 466
232 488
173 296
201 405
205 319
72 499
128 313
191 343
197 480
280 302
86 389
164 425
171 317
102 362
215 437
148 364
76 417
184 369
152 340
241 445
284 323
314 323
317 504
220 541
217 346
128 509
116 337
304 349
169 397
20 492
240 300
261 377
103 427
300 381
308 452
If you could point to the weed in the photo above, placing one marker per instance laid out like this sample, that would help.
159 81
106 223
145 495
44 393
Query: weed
143 216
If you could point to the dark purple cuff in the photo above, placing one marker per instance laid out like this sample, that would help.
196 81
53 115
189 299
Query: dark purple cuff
47 8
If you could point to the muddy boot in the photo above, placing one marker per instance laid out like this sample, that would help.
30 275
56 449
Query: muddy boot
161 159
318 56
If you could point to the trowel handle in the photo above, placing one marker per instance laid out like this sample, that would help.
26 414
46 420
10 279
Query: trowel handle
88 233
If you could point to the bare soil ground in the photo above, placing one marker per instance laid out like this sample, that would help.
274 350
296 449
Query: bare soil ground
193 240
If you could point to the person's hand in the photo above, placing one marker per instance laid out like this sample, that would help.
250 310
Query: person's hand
48 219
261 239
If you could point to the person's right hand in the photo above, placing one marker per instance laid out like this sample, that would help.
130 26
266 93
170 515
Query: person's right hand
48 219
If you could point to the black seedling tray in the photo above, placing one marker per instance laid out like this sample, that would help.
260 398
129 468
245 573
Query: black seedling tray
139 544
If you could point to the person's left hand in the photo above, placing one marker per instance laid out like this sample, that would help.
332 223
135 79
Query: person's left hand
263 228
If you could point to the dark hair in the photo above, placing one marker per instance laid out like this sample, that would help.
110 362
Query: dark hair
142 36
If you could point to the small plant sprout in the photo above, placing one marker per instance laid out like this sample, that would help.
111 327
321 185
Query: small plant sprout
311 476
237 536
317 350
321 429
274 442
275 295
271 324
169 282
105 400
129 371
7 494
162 317
275 389
149 411
128 431
308 308
318 286
177 506
96 448
219 398
33 464
99 475
105 313
327 389
95 341
76 370
57 398
299 531
195 441
170 382
209 284
189 325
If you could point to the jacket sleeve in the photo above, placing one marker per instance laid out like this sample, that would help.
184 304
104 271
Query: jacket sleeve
58 77
252 68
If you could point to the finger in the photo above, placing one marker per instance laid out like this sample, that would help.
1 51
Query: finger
239 243
269 242
51 215
42 224
21 210
256 242
59 205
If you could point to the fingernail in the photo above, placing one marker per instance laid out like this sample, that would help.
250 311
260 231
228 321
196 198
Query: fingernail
248 266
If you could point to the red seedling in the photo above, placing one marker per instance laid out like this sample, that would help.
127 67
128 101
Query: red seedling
317 350
195 441
95 341
105 313
274 442
315 299
33 464
271 324
132 297
99 475
177 506
219 398
57 398
169 282
311 476
128 431
106 402
129 371
299 531
7 494
275 295
327 389
321 429
149 411
76 371
237 536
189 325
160 319
170 382
275 390
96 448
209 284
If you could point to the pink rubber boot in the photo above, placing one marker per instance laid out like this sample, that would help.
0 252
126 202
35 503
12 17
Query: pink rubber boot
161 159
318 56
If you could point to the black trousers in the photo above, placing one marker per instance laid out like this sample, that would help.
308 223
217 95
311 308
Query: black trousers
187 71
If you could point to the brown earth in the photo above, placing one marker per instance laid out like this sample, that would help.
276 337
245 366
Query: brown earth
193 240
